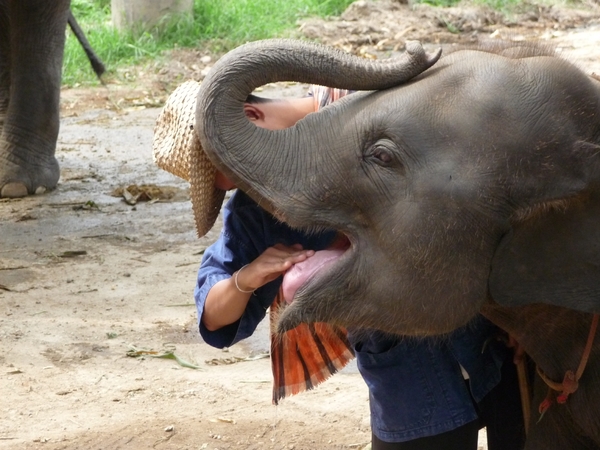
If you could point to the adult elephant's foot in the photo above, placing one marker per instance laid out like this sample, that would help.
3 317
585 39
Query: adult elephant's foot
17 181
18 190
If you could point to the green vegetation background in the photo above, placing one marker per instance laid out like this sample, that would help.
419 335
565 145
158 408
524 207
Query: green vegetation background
217 25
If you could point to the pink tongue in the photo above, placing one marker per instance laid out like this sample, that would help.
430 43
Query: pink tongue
299 273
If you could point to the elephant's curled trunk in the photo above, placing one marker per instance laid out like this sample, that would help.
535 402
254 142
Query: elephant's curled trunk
240 149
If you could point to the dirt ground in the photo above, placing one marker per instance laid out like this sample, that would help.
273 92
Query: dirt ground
89 284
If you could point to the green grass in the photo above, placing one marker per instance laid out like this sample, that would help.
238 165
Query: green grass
219 25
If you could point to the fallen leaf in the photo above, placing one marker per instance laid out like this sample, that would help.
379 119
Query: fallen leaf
167 354
144 193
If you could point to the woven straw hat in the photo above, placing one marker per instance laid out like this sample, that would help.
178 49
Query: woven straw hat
176 149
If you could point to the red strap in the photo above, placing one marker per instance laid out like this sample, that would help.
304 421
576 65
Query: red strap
570 381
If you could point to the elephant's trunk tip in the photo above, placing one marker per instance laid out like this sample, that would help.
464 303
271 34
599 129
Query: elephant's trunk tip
416 51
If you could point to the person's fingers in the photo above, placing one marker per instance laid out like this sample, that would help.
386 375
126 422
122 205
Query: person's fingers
284 253
300 256
272 263
518 349
519 354
284 250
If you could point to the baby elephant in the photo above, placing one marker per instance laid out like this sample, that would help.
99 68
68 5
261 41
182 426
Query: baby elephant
466 185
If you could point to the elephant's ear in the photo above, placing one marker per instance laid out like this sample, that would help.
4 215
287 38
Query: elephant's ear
552 258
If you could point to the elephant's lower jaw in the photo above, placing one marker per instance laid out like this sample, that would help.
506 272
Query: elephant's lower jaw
289 317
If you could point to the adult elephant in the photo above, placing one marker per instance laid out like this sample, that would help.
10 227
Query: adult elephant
474 187
32 39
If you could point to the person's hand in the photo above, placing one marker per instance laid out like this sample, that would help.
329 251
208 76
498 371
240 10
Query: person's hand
518 349
273 262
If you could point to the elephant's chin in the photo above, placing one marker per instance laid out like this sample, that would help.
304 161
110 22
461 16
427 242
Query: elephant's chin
289 317
302 311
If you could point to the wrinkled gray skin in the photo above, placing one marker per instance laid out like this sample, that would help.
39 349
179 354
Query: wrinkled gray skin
472 187
32 38
481 175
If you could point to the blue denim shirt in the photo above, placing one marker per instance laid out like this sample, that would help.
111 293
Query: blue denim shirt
416 387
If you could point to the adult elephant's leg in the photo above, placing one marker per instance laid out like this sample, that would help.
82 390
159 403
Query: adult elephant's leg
4 62
36 36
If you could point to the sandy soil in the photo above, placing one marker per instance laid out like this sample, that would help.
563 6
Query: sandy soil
86 279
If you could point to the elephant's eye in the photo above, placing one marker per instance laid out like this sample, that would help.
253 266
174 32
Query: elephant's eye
382 153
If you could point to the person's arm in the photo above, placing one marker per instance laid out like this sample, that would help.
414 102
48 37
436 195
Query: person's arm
248 237
227 299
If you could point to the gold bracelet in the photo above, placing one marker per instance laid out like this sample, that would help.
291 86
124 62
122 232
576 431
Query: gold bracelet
235 279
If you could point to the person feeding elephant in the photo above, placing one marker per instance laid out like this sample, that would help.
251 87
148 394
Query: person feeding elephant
424 393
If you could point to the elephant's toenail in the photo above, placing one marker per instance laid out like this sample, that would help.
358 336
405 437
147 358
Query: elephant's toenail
13 190
40 190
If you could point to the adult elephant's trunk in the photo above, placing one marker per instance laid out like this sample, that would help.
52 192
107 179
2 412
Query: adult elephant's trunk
257 159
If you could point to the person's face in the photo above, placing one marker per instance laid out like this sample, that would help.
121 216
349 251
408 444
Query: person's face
279 114
275 115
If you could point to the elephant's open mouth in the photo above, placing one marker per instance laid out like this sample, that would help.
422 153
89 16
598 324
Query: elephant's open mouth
300 273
